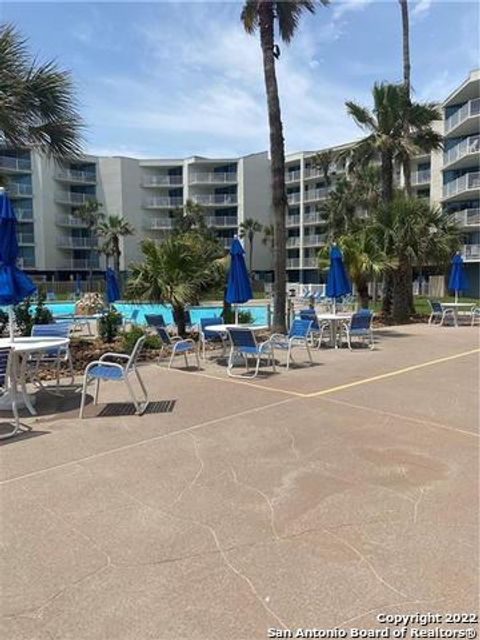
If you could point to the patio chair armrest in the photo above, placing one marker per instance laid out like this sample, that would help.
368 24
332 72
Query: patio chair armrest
112 354
112 365
264 346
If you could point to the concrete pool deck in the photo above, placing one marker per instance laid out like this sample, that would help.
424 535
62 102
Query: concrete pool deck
319 497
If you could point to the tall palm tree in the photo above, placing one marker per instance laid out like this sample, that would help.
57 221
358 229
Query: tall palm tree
268 239
263 15
176 271
248 229
112 228
91 215
37 101
407 172
323 161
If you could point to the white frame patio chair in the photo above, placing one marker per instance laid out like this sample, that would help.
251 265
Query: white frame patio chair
99 370
243 343
56 356
298 336
475 316
437 311
317 328
179 347
358 326
8 385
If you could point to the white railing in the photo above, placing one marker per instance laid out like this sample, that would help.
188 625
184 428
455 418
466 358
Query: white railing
161 223
313 218
71 242
221 221
469 110
26 262
162 181
292 176
225 242
69 221
468 217
216 198
316 194
310 263
293 241
162 201
209 177
80 264
313 172
292 221
69 197
23 215
293 198
464 148
15 189
313 240
293 263
75 175
15 164
25 238
463 183
471 252
421 177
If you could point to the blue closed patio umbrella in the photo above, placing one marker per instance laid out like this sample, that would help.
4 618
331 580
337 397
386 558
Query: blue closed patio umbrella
239 288
457 280
15 285
113 290
338 284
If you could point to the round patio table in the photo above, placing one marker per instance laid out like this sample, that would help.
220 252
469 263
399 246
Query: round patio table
456 306
22 348
223 328
333 319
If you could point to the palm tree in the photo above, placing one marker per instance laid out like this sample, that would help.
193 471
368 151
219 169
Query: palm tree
407 172
396 128
176 271
192 218
91 215
262 15
323 161
112 228
249 228
339 208
268 239
37 101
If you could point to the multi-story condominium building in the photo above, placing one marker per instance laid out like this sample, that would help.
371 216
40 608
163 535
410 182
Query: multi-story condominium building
53 241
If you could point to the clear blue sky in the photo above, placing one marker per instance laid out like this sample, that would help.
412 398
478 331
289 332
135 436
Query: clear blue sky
181 78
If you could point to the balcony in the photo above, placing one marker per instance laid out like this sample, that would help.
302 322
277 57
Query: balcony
25 238
80 264
216 199
421 177
461 154
162 202
162 181
74 175
70 221
26 262
467 218
160 223
210 177
292 221
225 221
471 252
73 199
313 218
15 165
465 184
23 214
460 119
293 198
16 190
225 242
293 241
316 194
70 242
293 263
292 176
313 240
310 263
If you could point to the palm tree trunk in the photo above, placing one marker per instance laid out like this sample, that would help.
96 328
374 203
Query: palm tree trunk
387 176
407 83
362 288
277 153
179 317
116 255
402 291
250 257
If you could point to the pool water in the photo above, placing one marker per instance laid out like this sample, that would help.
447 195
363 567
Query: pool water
259 313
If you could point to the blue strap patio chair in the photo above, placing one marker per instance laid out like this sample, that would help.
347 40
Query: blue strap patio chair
359 326
103 370
298 336
208 337
56 356
132 318
317 328
7 385
178 346
437 312
244 344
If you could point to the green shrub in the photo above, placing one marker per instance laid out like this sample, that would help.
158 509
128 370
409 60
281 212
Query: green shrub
25 318
3 321
130 337
109 324
244 317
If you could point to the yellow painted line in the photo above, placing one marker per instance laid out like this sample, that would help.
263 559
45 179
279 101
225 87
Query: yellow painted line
390 374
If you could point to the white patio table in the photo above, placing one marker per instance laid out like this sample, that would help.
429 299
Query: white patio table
456 306
22 348
334 319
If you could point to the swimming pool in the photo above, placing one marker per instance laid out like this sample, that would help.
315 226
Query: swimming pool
259 312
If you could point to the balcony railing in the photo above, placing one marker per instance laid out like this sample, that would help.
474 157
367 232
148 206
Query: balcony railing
70 242
225 242
215 199
313 240
421 177
468 217
292 221
70 221
162 181
293 241
15 164
471 252
310 263
469 110
464 148
16 190
160 223
221 221
313 218
293 198
71 198
316 194
23 215
292 176
74 175
25 238
464 183
80 264
26 262
210 177
293 263
163 201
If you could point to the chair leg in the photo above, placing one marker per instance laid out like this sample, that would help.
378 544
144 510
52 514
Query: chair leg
186 359
289 355
372 342
144 390
84 393
197 358
347 333
171 359
97 390
70 365
308 352
133 396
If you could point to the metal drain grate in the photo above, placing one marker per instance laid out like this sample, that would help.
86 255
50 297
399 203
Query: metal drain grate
128 408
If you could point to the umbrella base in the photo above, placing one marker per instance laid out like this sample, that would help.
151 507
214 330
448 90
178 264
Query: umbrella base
6 401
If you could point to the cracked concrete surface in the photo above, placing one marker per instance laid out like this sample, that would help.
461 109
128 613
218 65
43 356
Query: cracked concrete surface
250 506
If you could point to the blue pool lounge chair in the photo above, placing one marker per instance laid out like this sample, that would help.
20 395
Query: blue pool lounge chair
243 344
155 320
114 372
298 336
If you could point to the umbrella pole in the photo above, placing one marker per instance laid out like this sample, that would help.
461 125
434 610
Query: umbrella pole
236 314
334 306
11 320
456 296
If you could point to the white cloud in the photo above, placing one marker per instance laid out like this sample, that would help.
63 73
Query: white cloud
421 7
347 6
